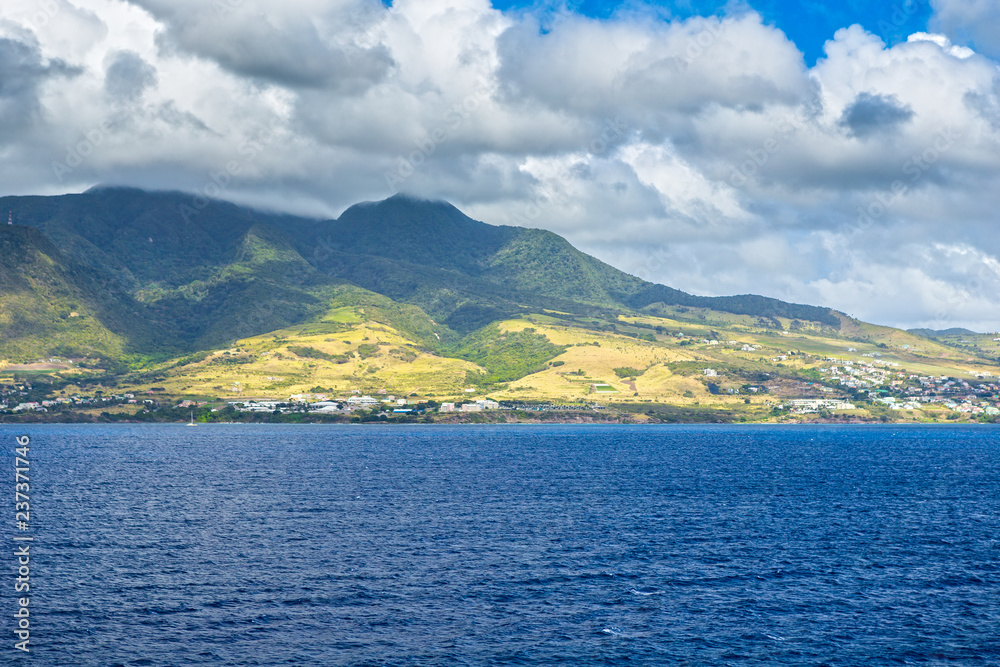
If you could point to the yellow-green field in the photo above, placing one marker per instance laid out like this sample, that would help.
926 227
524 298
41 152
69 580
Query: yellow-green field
265 367
347 352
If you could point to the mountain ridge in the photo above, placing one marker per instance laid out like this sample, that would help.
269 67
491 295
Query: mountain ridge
231 271
50 303
408 298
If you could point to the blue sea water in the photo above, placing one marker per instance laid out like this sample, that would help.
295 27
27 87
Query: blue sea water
512 545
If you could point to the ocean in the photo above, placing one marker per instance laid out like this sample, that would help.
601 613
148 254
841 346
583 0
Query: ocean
506 545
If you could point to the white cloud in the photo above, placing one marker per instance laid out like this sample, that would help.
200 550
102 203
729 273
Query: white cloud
297 43
974 23
702 153
945 43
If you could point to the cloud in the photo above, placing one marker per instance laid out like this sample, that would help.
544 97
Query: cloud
127 75
702 153
942 41
975 23
23 71
871 113
651 69
295 43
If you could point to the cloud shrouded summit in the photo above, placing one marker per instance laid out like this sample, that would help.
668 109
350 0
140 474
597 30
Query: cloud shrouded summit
703 153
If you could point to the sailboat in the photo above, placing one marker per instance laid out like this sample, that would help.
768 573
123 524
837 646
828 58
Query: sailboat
191 423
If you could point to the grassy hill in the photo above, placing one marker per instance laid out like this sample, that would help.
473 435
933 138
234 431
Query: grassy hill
53 305
367 344
402 296
211 272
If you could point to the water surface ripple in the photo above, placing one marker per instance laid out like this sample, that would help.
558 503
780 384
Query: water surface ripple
516 545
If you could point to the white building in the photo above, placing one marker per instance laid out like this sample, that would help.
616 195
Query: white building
324 408
255 406
302 398
805 405
361 401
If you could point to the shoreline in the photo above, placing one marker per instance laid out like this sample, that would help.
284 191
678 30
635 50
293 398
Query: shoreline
611 419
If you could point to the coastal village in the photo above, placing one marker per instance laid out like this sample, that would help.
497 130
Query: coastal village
902 391
721 378
869 385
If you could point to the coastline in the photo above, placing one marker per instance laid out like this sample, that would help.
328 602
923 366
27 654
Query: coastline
497 418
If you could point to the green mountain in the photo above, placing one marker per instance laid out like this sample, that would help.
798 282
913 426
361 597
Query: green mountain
153 292
468 273
51 304
203 277
161 275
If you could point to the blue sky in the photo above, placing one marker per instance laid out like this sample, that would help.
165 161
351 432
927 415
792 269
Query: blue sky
808 23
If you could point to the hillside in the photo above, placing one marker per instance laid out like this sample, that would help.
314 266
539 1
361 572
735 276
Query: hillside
53 305
378 348
143 291
469 273
216 272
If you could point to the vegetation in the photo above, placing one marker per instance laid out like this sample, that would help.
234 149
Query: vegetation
744 304
307 352
117 289
367 350
148 272
506 355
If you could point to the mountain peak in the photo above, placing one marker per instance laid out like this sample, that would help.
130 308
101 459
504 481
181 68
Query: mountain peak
409 229
411 218
406 205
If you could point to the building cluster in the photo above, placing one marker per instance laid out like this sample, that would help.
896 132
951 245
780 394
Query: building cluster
971 404
477 406
861 374
914 392
552 407
743 347
953 393
10 401
321 404
812 405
